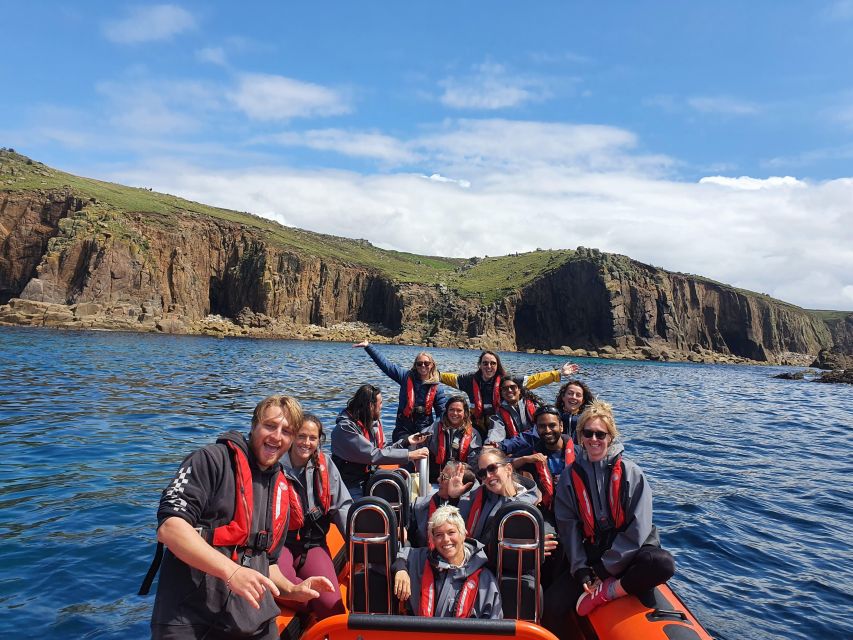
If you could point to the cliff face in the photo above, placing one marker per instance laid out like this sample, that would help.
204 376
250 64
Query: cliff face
143 267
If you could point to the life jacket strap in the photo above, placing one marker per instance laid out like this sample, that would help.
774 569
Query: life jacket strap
145 588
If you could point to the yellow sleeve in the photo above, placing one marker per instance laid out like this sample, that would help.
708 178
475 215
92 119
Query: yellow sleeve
450 379
540 379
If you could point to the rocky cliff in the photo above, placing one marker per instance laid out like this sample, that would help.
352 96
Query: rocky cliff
68 260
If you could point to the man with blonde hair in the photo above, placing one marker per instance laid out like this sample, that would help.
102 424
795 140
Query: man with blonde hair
224 518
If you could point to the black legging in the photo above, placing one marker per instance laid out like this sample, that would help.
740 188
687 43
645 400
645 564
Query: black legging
650 567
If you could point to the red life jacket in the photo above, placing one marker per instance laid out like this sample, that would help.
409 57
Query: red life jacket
380 435
410 397
285 507
322 488
615 499
506 416
546 480
476 508
477 409
464 602
464 445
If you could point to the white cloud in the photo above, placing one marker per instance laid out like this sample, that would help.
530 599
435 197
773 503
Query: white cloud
355 144
530 184
213 55
752 184
723 105
145 24
491 87
271 97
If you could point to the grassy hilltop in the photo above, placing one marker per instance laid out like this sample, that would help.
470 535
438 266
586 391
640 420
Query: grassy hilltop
488 279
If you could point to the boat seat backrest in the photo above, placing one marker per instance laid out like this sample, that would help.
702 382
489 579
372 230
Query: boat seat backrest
372 534
393 488
519 551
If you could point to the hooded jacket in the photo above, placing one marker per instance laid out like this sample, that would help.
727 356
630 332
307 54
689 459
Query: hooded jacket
451 452
614 549
355 455
449 580
481 530
521 417
316 522
203 493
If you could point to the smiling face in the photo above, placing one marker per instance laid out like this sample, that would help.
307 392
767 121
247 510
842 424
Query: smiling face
306 442
488 366
510 391
455 412
424 365
271 437
449 542
495 475
596 449
572 399
550 428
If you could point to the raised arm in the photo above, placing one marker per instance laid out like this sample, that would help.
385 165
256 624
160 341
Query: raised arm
542 378
393 371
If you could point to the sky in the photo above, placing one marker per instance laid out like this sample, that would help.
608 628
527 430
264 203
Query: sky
706 138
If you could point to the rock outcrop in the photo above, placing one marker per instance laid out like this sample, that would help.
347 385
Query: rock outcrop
70 262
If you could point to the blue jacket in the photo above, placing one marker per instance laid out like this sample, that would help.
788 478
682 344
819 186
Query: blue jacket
419 421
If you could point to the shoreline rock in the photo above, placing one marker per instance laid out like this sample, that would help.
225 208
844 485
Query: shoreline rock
249 324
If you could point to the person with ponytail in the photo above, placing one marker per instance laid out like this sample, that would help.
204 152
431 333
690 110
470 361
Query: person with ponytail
603 508
449 578
421 398
453 437
324 499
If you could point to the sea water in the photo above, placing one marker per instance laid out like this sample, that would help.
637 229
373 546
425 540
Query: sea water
751 475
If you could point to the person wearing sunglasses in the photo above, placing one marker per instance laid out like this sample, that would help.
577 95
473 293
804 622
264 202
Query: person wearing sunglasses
455 479
499 484
421 398
448 579
483 385
603 509
514 414
453 437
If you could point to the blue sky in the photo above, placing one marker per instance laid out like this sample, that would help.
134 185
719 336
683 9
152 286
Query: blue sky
709 138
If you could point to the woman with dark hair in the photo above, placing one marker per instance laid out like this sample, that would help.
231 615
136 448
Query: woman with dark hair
483 385
572 398
421 397
325 499
603 508
453 437
358 441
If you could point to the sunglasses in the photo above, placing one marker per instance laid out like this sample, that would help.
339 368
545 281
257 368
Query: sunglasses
486 363
595 435
425 363
492 468
510 387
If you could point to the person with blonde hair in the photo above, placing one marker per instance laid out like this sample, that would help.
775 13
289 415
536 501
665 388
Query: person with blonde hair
219 574
603 509
448 579
421 397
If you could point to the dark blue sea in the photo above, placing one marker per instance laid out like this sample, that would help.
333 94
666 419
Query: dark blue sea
751 475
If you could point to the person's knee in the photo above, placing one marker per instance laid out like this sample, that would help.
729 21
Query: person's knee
665 564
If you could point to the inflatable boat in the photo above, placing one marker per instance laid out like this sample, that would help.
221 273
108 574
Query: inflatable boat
363 565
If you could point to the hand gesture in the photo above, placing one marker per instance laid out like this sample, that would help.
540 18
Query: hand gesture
251 585
310 588
361 344
569 369
402 585
455 486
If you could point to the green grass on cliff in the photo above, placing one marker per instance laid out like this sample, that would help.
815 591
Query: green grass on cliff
488 279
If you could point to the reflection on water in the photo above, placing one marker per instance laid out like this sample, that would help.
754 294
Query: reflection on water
751 474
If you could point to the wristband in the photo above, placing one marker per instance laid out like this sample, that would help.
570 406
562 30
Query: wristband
228 581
